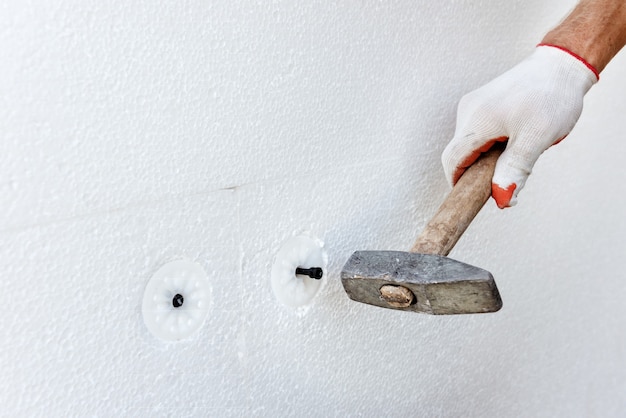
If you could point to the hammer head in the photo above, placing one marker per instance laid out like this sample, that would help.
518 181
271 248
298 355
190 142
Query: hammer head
425 283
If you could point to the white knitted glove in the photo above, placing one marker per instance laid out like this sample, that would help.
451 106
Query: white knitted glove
533 106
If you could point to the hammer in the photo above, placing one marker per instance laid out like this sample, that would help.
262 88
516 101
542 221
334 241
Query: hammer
424 279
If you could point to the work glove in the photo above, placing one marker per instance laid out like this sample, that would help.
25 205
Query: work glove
532 106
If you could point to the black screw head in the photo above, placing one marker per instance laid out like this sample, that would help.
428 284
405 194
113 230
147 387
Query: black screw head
178 300
313 272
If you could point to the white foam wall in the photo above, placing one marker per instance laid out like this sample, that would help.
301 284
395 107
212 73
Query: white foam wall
135 133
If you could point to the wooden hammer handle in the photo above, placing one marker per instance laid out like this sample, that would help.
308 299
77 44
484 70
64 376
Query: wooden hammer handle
461 206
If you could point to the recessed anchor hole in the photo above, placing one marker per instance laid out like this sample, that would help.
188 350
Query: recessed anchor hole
178 300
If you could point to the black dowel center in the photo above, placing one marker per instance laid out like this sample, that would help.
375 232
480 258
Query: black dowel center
178 300
313 272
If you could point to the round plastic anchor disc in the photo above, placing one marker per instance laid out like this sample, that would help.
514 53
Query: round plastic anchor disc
176 300
303 252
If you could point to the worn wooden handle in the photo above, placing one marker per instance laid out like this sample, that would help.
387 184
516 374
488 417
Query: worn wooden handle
461 206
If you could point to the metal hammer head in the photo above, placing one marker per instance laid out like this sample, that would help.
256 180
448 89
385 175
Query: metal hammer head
425 283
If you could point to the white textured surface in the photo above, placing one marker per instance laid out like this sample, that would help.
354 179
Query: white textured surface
136 133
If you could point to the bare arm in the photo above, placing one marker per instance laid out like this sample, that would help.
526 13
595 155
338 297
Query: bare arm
595 30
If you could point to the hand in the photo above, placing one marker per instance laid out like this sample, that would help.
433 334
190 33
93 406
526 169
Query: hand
532 106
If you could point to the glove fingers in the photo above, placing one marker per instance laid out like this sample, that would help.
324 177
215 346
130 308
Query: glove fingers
474 155
478 127
465 148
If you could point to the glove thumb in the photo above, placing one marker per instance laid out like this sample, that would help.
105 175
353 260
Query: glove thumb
509 177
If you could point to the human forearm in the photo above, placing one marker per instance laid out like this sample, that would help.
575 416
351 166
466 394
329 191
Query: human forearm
536 104
595 30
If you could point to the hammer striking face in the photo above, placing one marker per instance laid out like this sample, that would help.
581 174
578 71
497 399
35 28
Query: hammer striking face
424 283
